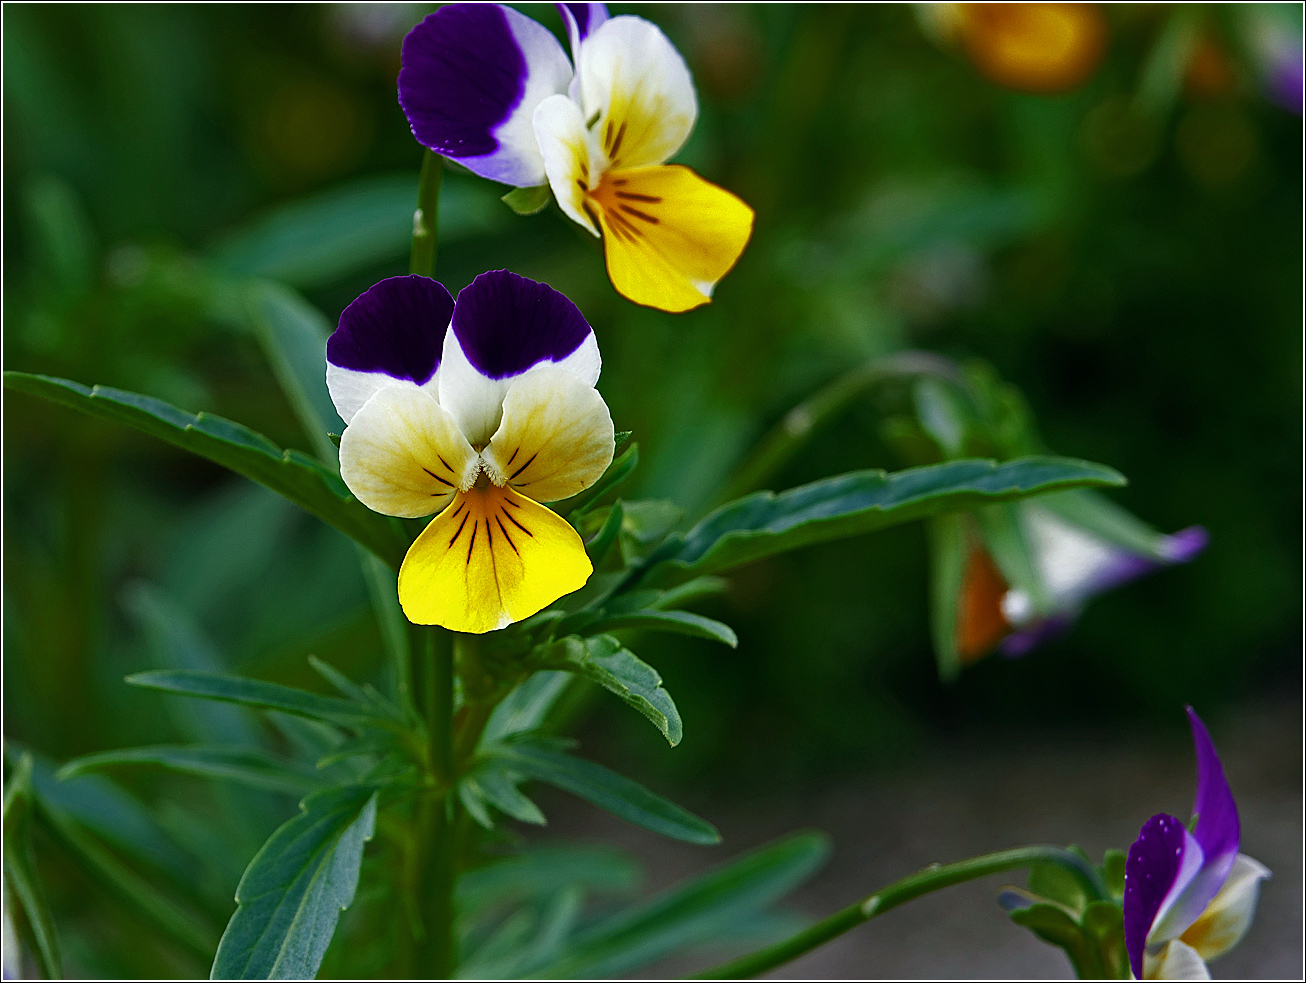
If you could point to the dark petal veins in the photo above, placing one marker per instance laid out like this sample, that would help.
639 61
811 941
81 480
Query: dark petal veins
1217 828
397 327
506 323
1150 870
463 74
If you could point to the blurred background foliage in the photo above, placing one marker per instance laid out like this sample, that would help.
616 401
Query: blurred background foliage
1127 251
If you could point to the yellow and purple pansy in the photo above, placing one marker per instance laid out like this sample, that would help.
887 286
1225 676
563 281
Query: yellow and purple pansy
492 89
1190 896
478 409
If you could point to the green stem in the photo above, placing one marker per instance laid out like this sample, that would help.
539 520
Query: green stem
932 878
426 220
802 422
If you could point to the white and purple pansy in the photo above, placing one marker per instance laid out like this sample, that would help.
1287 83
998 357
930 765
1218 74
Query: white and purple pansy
1076 563
493 90
478 409
1190 896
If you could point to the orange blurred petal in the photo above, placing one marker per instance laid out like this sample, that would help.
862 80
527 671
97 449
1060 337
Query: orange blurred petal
980 623
1035 47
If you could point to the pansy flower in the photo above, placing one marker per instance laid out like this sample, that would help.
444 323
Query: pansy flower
1015 585
1190 896
479 410
490 88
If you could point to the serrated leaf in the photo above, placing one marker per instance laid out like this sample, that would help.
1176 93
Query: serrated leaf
20 872
689 913
528 201
618 670
764 523
297 477
617 794
246 766
257 693
294 889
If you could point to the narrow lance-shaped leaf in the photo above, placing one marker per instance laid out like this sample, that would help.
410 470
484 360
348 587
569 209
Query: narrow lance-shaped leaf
20 871
764 523
690 913
245 766
615 793
618 670
294 889
257 693
297 477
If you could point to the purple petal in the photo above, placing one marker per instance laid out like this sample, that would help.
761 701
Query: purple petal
1217 828
395 327
1031 636
1284 82
471 78
582 19
1155 871
506 323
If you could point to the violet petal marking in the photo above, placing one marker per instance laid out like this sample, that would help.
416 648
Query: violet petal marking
463 74
1024 640
506 323
1154 864
1217 828
582 19
396 327
1186 544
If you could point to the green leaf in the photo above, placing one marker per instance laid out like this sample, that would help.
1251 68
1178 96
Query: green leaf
943 413
299 478
528 201
542 871
1059 885
603 540
256 693
1100 516
1054 925
676 622
692 912
246 766
294 889
293 334
20 871
526 706
618 670
1104 924
764 523
1004 535
489 785
1113 871
948 550
606 789
618 471
358 226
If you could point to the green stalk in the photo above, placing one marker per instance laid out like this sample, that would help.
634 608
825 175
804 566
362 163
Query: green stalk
802 422
932 878
426 220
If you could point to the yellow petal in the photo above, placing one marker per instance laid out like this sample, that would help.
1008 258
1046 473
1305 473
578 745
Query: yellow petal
491 558
1226 919
556 437
669 235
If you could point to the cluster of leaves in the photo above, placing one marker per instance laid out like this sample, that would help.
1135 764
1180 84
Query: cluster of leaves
1056 908
363 755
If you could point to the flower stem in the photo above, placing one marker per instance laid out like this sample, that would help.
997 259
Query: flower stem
426 219
802 422
932 878
436 822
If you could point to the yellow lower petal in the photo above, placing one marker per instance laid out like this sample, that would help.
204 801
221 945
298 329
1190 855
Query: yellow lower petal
669 236
491 558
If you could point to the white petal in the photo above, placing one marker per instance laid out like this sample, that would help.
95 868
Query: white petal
404 455
476 401
1226 919
565 146
1070 560
634 80
1174 961
351 389
556 438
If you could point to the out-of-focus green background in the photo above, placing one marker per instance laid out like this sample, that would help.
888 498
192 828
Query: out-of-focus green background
1128 253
